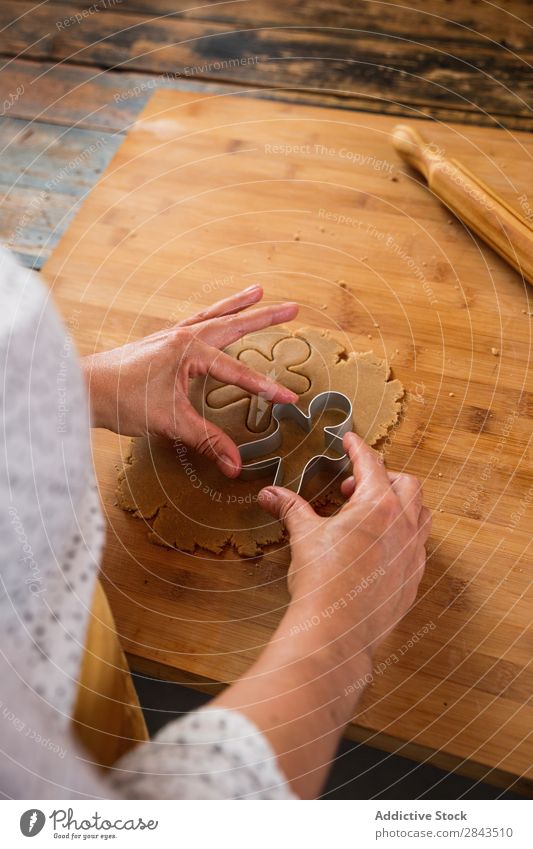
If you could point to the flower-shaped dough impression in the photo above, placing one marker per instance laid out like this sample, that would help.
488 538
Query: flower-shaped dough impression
287 354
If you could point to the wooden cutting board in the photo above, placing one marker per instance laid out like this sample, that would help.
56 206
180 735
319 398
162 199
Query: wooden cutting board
209 194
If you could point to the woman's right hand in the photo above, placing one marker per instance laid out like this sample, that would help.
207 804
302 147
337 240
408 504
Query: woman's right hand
352 578
354 575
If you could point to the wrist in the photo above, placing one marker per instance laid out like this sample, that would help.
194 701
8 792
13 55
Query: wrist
97 390
337 658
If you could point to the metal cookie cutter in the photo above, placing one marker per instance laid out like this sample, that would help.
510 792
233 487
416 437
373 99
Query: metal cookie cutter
320 462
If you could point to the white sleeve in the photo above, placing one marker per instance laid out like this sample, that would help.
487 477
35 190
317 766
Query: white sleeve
212 753
52 536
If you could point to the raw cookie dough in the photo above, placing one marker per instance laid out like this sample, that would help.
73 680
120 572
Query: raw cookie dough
282 361
190 504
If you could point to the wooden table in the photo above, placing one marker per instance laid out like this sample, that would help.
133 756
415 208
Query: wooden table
458 695
72 90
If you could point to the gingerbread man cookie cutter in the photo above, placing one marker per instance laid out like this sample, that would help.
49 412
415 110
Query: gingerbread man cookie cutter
333 435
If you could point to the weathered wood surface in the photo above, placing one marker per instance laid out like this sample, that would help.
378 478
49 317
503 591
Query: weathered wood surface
452 61
46 171
163 222
97 98
412 60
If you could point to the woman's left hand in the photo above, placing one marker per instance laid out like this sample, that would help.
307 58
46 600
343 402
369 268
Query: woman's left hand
142 388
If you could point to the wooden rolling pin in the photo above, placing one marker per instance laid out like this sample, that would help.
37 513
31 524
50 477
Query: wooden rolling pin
487 214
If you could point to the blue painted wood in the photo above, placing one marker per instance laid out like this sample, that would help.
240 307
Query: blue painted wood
47 170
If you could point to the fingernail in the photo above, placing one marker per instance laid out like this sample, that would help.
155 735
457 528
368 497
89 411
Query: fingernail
252 288
267 494
287 393
229 465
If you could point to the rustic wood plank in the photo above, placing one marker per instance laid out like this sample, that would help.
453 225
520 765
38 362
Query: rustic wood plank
96 99
46 171
378 66
162 222
435 20
84 97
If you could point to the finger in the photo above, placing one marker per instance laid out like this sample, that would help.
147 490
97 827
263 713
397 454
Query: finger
221 332
409 491
419 564
413 577
227 306
209 440
368 468
393 475
293 510
425 522
226 369
348 485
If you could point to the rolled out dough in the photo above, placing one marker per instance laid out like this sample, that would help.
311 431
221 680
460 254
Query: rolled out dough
190 504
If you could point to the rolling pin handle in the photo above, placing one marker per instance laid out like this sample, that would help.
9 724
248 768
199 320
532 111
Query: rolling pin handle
414 149
482 209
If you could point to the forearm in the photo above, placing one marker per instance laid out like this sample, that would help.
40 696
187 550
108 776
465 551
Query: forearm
295 694
98 379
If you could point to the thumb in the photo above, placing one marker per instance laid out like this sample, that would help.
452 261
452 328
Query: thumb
211 441
293 510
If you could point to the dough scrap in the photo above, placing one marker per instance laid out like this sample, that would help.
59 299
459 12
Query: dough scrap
189 504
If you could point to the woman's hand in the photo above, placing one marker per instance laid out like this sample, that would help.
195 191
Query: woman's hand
359 570
352 578
142 388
